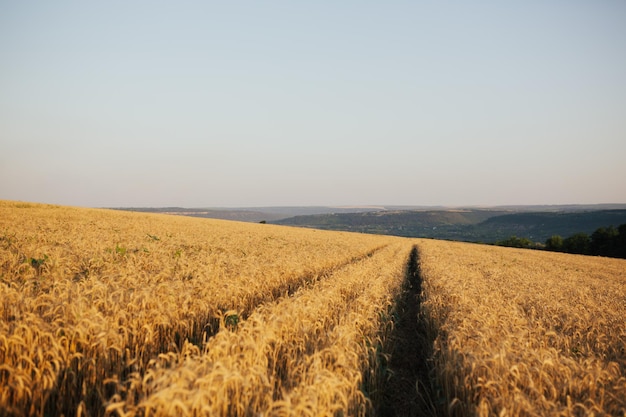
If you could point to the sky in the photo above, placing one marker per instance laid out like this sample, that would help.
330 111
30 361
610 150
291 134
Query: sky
271 103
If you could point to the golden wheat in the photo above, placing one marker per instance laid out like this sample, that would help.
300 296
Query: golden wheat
91 297
303 352
115 313
526 332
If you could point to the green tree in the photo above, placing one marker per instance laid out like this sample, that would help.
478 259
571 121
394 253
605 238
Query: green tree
604 241
620 250
554 243
578 243
516 242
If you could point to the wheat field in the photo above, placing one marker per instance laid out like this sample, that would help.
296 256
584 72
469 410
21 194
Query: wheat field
522 332
110 313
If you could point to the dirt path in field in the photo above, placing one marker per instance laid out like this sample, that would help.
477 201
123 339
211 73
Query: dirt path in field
408 391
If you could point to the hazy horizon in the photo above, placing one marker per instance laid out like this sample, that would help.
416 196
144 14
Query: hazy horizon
381 206
346 207
274 103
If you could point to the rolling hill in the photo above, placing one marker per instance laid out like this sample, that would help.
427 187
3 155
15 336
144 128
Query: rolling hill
471 225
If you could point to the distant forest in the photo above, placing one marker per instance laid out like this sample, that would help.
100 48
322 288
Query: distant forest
605 241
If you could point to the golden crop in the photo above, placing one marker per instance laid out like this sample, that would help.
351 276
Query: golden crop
522 332
93 299
129 314
296 355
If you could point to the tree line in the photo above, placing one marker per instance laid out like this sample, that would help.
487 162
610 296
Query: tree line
605 241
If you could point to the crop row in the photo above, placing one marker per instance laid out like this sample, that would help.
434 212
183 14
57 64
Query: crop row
93 296
520 332
316 352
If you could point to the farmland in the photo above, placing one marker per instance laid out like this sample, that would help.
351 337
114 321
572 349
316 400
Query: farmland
116 313
524 332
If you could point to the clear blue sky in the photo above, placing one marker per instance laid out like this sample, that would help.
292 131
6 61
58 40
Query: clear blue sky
253 103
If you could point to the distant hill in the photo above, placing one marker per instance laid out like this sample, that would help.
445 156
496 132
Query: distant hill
466 225
409 223
540 226
251 214
488 225
222 214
